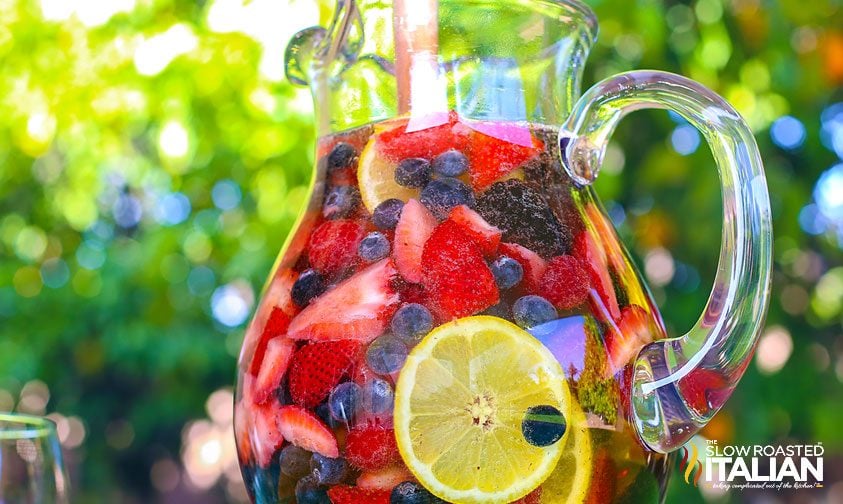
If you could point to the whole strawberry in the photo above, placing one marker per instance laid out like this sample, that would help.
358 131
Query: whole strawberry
317 368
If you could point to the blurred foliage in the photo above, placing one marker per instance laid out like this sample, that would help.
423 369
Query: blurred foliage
152 161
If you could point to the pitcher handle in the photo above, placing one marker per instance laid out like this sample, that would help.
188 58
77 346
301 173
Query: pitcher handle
717 350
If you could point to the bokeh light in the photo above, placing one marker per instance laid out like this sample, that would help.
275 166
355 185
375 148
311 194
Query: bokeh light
788 132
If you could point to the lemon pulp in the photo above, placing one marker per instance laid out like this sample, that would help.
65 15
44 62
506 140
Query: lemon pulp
459 404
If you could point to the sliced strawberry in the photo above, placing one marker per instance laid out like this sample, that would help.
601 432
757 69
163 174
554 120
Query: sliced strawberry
455 274
306 430
413 229
371 447
603 299
396 144
345 494
628 336
704 389
267 435
277 296
279 352
333 245
534 497
565 283
611 246
318 367
533 265
344 177
386 478
604 480
275 326
242 426
491 159
359 308
487 236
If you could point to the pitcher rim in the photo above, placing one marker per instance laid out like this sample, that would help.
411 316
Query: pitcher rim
585 12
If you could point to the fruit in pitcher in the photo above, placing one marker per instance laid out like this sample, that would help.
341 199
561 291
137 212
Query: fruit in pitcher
491 159
305 430
486 236
384 479
445 193
460 402
413 172
318 367
625 339
604 301
359 308
345 494
525 217
276 360
371 447
333 245
565 282
414 228
533 265
455 273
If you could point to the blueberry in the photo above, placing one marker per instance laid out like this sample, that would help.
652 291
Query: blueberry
441 195
413 172
308 491
386 355
386 214
508 272
328 471
340 202
323 411
530 311
410 492
450 164
341 156
377 396
343 402
373 247
500 310
308 286
295 461
543 425
411 322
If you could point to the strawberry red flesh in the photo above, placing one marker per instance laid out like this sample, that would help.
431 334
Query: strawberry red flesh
275 326
357 309
704 389
455 273
603 300
386 478
533 265
485 235
345 494
267 436
305 430
413 229
491 159
397 144
565 283
625 338
333 245
371 447
279 352
318 367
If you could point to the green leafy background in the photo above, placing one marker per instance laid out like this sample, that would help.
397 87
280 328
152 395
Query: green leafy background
133 187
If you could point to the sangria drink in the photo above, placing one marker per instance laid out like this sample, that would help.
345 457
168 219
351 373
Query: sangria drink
453 321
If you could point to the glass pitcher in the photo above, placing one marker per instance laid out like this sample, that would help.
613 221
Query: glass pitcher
453 318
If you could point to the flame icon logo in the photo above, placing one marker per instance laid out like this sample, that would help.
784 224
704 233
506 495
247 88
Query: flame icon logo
690 461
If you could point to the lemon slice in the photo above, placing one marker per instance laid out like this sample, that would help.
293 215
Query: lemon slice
376 176
569 481
459 404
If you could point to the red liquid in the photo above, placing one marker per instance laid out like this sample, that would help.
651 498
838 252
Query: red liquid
330 299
